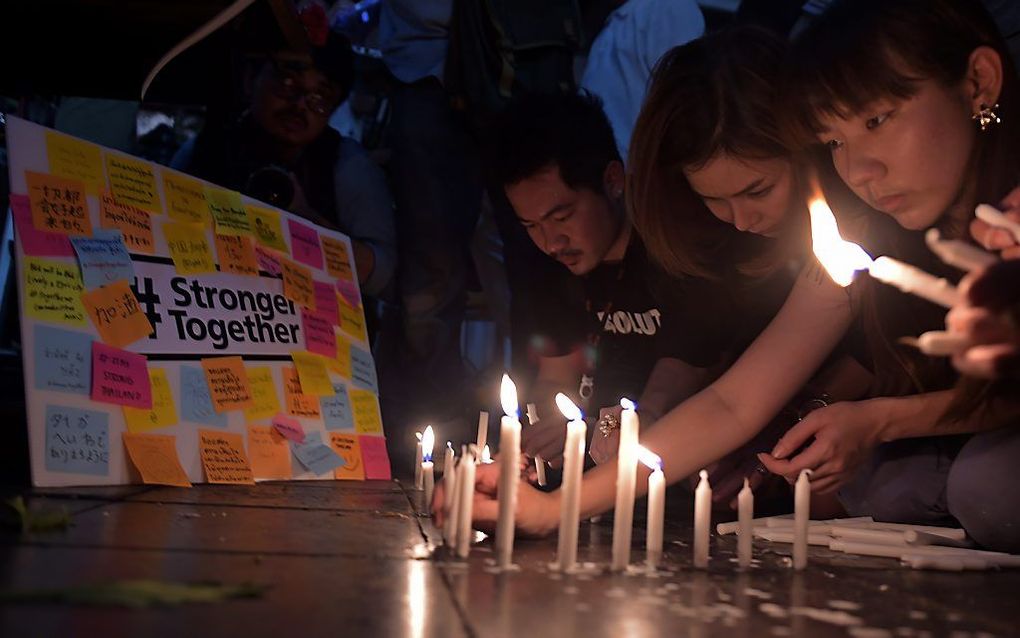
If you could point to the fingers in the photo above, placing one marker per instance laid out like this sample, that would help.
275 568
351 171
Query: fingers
808 459
487 478
979 325
990 237
989 361
547 442
799 434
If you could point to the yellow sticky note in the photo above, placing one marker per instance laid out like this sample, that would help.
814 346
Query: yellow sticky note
228 211
228 383
265 223
352 319
347 447
155 458
53 291
337 257
133 182
237 255
134 223
365 407
298 403
58 204
342 364
75 159
185 199
189 248
264 402
313 374
116 314
298 285
224 458
164 410
269 453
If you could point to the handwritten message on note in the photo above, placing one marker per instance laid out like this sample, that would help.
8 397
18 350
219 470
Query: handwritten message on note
77 441
326 303
34 242
63 360
298 285
304 244
336 410
185 198
196 402
319 335
347 448
269 263
375 458
120 377
116 314
53 291
228 211
338 258
269 453
349 291
133 182
298 403
237 255
289 429
315 456
365 406
103 258
163 412
228 383
313 374
189 248
264 401
224 459
75 159
342 363
58 204
352 320
363 369
265 223
134 223
155 458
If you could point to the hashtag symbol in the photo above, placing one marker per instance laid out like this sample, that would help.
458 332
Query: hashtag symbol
150 300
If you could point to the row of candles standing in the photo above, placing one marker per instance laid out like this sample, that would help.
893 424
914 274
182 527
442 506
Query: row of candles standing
459 480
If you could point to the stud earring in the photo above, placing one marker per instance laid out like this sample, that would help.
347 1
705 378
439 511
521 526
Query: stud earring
986 116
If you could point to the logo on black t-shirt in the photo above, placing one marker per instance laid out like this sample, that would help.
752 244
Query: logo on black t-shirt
626 322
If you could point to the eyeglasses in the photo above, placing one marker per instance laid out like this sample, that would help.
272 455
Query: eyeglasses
285 84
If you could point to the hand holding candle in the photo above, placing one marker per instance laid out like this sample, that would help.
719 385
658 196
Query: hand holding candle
509 457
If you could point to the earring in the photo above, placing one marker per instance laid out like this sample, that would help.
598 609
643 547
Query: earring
986 116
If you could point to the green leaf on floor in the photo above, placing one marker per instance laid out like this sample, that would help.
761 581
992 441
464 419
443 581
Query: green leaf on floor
37 520
135 594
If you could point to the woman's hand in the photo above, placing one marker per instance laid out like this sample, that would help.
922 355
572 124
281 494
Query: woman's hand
986 317
546 439
998 239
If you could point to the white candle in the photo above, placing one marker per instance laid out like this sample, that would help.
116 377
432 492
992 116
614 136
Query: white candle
486 457
453 507
626 477
957 253
801 516
656 506
428 441
483 429
509 473
417 463
466 479
449 479
573 467
939 343
915 281
539 463
702 520
745 516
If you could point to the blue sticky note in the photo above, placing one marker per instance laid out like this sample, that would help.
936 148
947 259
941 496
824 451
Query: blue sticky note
336 410
63 360
103 258
77 441
363 369
314 455
196 402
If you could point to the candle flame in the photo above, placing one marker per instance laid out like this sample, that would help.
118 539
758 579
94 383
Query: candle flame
417 435
428 440
567 407
649 458
449 444
508 397
840 258
628 404
486 455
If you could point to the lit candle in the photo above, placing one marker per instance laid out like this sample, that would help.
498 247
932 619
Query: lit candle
449 480
465 508
509 473
957 253
801 516
656 506
914 280
745 517
428 441
573 466
417 463
702 520
483 429
539 463
626 476
452 497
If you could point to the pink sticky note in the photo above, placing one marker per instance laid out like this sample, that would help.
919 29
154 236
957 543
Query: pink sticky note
121 377
349 290
374 456
319 335
289 428
267 261
304 244
37 243
325 302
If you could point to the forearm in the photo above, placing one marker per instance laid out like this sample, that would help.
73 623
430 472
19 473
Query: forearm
670 382
921 415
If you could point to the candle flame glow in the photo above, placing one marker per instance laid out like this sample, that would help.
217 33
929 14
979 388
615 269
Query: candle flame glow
567 407
649 458
428 440
841 258
417 435
627 404
508 397
486 455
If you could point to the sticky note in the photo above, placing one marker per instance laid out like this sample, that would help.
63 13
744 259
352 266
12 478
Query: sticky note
228 212
298 403
264 401
34 242
336 410
224 458
228 383
77 441
196 402
349 291
352 320
116 314
320 337
133 182
120 377
155 458
163 411
63 360
75 159
315 456
103 258
269 453
326 303
289 429
342 363
53 291
337 258
365 406
265 224
268 262
188 248
237 255
304 244
298 285
313 374
58 204
375 458
185 198
134 223
363 369
348 449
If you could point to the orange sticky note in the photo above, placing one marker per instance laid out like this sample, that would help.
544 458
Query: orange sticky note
298 285
338 258
185 198
237 255
164 410
365 407
75 159
155 458
188 248
228 383
116 314
348 448
58 204
223 458
298 403
269 453
352 319
134 223
133 181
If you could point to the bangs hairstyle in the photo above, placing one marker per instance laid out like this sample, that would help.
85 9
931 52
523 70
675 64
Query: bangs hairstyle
710 96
